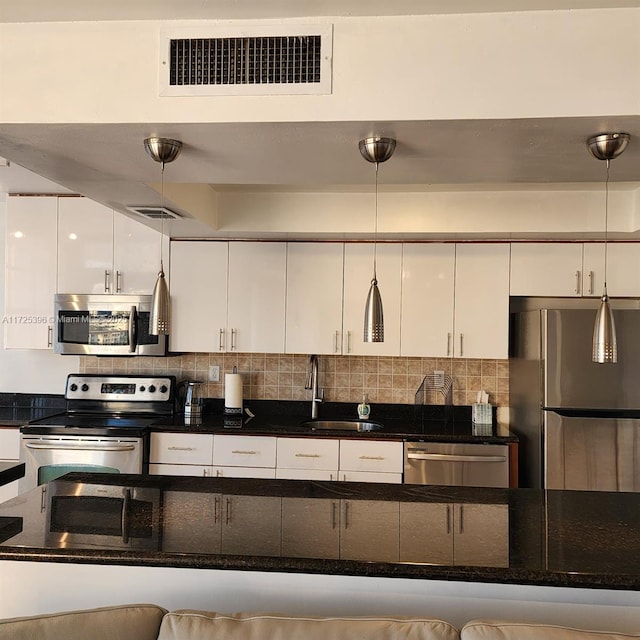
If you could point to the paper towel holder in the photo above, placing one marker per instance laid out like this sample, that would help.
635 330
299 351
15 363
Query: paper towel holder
236 400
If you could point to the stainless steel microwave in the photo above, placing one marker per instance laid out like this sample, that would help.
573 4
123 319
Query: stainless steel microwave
105 325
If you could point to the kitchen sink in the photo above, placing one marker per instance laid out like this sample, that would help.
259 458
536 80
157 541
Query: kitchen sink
341 425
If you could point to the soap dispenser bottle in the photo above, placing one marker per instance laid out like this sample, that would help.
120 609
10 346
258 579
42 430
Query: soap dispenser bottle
363 408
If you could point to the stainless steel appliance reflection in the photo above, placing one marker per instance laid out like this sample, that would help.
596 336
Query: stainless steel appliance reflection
83 515
104 428
578 421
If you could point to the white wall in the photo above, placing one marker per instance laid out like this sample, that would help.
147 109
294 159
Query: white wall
29 370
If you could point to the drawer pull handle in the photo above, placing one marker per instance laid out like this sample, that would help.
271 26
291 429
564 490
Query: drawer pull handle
371 457
308 455
182 449
244 453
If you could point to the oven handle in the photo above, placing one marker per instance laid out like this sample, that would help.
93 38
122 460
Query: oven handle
81 446
133 334
452 457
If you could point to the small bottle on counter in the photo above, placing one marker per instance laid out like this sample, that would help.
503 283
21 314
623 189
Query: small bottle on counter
363 408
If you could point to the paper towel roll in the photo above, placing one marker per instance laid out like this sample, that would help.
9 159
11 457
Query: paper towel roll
233 392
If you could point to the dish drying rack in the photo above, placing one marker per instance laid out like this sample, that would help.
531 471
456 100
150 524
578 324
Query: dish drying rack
434 385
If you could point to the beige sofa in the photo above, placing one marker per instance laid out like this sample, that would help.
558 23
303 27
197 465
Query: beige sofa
150 622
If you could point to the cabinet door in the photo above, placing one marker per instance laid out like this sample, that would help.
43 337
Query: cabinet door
481 323
310 528
358 271
256 296
481 535
85 247
314 297
244 451
178 533
369 530
427 299
136 255
546 269
623 269
251 525
426 532
30 272
198 296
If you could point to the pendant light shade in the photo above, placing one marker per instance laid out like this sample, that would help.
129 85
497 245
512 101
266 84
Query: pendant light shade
376 150
162 150
606 146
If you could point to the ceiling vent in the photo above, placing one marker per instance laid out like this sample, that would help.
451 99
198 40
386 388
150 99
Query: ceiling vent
284 59
154 213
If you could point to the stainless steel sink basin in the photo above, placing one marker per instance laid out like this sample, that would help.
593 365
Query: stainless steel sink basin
341 425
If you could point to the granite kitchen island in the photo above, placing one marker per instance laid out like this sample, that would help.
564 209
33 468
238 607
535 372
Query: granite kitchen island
260 539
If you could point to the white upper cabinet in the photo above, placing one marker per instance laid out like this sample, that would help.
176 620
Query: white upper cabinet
623 269
314 297
358 271
546 269
30 272
100 251
427 299
481 322
198 296
256 297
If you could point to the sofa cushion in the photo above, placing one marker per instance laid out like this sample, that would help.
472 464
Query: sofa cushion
502 630
203 625
125 622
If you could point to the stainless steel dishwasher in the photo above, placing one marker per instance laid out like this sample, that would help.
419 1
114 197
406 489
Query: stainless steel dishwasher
469 465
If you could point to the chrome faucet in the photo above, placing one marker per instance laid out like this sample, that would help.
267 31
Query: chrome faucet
312 383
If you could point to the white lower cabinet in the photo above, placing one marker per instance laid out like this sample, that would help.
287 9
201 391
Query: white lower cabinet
370 461
244 456
181 454
455 534
307 458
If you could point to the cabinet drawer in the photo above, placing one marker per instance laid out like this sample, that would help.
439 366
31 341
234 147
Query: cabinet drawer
181 448
244 451
372 455
308 453
10 444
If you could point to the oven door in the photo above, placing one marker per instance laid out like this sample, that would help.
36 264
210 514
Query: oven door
105 325
47 457
83 515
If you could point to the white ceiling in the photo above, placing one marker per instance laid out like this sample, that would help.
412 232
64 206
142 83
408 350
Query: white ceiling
302 156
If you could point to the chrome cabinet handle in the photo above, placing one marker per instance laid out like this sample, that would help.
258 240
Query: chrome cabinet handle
124 520
334 510
181 448
118 287
591 282
577 289
461 344
217 507
372 457
348 341
245 453
307 455
448 344
233 339
448 519
336 346
346 514
49 336
461 526
221 343
107 286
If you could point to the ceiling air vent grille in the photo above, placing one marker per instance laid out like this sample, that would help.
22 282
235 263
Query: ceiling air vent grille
246 64
154 213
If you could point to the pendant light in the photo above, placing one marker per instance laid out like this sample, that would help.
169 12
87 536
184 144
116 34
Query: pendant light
606 146
375 149
162 150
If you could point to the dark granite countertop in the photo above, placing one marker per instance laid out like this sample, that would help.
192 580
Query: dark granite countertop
287 418
512 536
17 409
10 471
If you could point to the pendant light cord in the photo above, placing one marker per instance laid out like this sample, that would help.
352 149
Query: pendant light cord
375 232
606 222
161 217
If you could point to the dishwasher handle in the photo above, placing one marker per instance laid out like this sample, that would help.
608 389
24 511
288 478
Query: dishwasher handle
452 457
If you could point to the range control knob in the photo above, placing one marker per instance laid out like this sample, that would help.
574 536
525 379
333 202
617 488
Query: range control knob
163 388
142 387
85 387
73 387
152 388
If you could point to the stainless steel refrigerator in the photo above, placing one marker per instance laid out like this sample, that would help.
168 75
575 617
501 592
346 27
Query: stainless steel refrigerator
578 422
